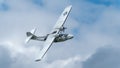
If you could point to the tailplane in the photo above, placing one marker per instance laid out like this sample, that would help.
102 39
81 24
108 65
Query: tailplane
30 35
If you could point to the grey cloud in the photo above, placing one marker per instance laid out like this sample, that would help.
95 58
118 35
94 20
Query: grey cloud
87 15
54 6
5 57
24 16
38 2
105 57
105 2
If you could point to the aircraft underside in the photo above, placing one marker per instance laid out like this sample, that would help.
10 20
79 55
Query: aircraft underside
60 38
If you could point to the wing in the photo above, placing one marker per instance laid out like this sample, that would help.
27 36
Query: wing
55 31
47 45
62 18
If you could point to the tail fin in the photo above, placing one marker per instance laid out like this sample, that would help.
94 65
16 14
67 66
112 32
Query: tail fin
30 35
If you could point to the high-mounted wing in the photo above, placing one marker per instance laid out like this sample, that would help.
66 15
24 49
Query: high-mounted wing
62 19
55 31
47 45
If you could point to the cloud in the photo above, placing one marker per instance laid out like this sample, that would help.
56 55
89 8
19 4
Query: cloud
87 15
12 58
38 2
5 58
3 5
104 31
93 25
23 13
105 57
106 2
66 63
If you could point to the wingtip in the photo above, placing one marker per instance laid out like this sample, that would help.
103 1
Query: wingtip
70 6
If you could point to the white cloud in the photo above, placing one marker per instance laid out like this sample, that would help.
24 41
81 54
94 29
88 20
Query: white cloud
5 57
67 63
22 16
105 57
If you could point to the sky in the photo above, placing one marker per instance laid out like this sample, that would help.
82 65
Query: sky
95 25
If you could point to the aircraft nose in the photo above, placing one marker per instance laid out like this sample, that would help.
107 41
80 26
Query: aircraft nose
70 36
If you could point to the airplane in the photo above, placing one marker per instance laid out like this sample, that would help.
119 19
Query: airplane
56 35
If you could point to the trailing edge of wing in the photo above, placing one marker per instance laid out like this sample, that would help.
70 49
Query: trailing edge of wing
47 45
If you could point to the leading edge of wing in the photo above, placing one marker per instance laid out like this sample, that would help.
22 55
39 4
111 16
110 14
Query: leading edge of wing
47 45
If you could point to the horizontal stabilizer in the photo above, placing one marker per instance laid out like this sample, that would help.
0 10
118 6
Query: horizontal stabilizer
28 39
30 35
